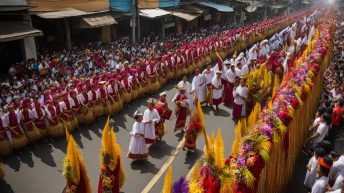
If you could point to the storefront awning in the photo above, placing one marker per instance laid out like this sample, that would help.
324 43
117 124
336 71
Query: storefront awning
219 7
251 8
153 13
99 20
16 31
279 6
186 16
69 12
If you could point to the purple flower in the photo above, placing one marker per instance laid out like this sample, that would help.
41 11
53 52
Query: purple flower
266 130
247 147
241 161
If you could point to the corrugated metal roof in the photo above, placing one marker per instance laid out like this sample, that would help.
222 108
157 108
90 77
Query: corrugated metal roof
15 31
99 20
13 3
219 7
153 13
186 16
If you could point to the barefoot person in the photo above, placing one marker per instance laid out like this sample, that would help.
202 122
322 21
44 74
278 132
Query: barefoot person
137 147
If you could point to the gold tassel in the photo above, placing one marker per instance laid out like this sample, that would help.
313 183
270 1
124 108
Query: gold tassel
168 181
236 143
77 164
219 151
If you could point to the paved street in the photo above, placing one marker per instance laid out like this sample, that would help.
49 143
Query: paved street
39 170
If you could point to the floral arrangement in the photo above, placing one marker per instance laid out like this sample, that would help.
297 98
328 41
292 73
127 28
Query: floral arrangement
276 116
256 136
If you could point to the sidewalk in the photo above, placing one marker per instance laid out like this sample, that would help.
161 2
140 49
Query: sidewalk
296 184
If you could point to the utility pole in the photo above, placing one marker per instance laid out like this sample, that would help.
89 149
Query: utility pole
133 20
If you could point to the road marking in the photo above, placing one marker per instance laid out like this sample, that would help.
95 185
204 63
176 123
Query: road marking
169 161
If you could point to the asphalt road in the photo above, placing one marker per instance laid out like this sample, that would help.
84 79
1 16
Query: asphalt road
39 170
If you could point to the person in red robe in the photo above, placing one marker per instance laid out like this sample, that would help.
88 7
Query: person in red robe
55 128
27 119
18 137
165 114
182 109
39 113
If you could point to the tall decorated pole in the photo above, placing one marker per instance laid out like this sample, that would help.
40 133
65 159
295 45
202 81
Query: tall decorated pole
74 169
111 173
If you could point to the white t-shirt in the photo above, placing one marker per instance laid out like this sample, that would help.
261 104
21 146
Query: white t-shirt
312 174
338 183
320 184
322 131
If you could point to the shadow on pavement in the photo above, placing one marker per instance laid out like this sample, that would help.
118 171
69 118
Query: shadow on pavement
60 144
222 113
145 166
191 158
180 135
44 153
160 150
5 188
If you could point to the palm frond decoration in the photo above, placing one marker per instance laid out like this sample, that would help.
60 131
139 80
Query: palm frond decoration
249 178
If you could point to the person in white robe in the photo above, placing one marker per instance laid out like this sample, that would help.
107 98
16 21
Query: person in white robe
240 94
198 86
150 118
208 74
217 90
137 146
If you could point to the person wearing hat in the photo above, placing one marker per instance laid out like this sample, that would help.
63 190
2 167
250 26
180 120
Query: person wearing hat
5 136
240 94
112 90
12 121
40 120
55 128
85 103
208 74
198 86
165 114
228 87
93 99
67 114
27 119
151 71
217 85
126 89
150 119
187 86
103 98
182 104
76 107
137 146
